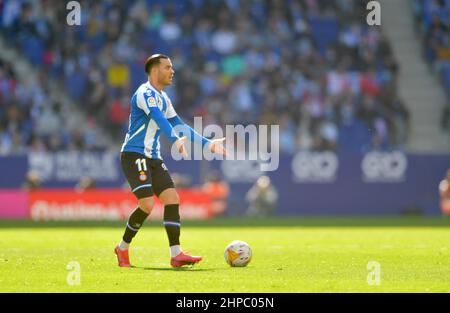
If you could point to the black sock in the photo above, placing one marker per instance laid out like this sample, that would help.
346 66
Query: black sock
172 223
135 222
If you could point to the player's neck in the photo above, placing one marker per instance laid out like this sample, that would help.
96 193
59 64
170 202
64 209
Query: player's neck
155 85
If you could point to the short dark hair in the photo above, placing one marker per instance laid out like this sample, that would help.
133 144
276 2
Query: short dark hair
153 60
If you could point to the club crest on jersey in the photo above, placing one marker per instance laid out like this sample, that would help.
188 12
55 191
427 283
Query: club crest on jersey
142 176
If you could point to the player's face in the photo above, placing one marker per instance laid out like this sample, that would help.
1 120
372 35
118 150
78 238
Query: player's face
166 72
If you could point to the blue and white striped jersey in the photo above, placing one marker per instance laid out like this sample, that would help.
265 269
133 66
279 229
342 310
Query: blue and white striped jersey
143 130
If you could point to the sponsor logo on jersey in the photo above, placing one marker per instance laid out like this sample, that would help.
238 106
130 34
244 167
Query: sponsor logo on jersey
151 101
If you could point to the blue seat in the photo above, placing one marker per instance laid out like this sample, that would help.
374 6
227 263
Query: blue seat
76 85
325 31
33 49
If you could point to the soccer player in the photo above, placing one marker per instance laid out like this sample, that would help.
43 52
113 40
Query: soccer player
152 113
444 191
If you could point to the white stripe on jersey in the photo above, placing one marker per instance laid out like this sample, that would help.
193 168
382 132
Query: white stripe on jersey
149 139
137 132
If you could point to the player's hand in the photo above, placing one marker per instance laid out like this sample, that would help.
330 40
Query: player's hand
180 146
216 146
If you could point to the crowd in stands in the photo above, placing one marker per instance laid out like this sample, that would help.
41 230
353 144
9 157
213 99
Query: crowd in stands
32 119
312 66
433 25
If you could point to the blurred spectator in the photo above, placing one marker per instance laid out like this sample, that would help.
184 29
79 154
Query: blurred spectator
224 40
119 113
118 74
170 30
181 181
218 190
32 181
262 198
445 122
328 136
85 183
444 192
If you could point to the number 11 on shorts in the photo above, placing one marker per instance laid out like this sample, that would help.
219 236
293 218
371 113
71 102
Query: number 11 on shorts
141 164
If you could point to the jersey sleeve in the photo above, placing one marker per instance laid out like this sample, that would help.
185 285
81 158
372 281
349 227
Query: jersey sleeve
146 100
179 125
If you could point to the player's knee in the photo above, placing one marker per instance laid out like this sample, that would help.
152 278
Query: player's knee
170 197
146 204
174 198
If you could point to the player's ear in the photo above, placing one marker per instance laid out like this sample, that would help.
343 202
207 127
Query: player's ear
155 69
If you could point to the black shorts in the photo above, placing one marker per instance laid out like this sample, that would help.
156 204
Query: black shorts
146 176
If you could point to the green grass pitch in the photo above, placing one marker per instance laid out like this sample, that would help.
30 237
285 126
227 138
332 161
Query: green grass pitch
289 255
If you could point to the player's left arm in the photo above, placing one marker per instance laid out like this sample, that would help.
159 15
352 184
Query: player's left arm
178 124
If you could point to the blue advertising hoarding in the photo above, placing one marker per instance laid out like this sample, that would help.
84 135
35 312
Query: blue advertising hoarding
307 183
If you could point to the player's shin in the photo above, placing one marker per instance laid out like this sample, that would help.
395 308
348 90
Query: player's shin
134 223
172 225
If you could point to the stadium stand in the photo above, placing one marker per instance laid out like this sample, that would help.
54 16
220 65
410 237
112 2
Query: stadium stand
433 24
33 120
312 66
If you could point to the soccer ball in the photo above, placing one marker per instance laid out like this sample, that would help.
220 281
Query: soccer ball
238 253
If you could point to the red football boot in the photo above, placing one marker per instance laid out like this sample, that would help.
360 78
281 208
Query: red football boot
184 259
122 257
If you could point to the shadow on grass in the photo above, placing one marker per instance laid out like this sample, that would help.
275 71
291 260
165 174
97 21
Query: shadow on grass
178 269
